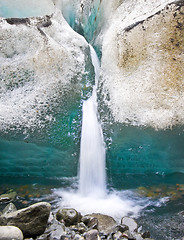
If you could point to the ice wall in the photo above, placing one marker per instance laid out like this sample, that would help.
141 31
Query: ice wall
41 58
142 59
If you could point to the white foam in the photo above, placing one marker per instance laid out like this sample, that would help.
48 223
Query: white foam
114 204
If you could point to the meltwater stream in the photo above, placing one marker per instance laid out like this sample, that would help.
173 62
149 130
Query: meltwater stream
92 196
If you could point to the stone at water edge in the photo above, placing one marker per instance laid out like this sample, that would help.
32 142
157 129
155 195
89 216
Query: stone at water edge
106 223
146 235
10 232
130 222
31 220
69 215
121 228
8 197
90 222
9 208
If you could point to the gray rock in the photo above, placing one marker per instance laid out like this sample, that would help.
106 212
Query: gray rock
90 222
106 224
146 235
9 208
10 232
92 235
128 235
78 237
82 227
117 235
138 236
8 197
54 231
69 215
130 222
31 220
121 228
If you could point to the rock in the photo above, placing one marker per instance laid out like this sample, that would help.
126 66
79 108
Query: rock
54 232
10 232
106 223
128 235
8 197
69 215
138 236
9 208
31 220
121 228
130 222
92 235
146 235
90 222
82 227
78 237
117 235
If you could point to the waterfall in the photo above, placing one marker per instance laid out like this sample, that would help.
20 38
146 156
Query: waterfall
92 148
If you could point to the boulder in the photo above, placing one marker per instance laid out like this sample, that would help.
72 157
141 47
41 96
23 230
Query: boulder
130 222
69 215
9 208
31 220
106 223
10 232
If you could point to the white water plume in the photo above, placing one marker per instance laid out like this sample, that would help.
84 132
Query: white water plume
92 149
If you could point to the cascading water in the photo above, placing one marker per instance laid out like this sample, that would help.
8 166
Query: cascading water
91 195
92 148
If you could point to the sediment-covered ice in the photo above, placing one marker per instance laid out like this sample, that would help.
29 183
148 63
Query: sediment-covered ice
41 59
142 63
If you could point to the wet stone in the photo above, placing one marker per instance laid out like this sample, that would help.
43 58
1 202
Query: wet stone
69 215
146 235
121 228
90 222
8 197
106 223
9 208
130 222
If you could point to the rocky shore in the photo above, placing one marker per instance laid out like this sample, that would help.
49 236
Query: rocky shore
38 222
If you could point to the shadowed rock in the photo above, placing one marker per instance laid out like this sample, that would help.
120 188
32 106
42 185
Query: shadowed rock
31 220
